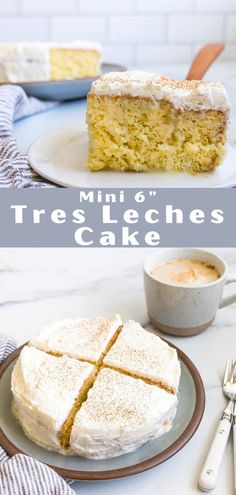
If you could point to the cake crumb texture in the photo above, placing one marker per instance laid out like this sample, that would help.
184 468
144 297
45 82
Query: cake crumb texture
141 134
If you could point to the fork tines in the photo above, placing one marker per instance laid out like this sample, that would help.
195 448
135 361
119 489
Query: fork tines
230 371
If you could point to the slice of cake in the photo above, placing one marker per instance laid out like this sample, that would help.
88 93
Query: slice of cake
47 393
82 338
45 61
144 355
120 414
141 121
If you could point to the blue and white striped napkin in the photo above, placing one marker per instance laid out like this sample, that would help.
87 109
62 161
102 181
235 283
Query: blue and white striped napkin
22 475
15 170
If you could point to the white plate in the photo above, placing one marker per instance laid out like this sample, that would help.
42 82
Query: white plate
60 156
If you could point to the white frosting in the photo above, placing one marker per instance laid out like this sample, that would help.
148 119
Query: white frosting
80 338
145 355
44 388
30 61
194 95
120 414
21 62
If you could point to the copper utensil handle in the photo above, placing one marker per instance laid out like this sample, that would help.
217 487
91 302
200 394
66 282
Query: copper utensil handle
203 60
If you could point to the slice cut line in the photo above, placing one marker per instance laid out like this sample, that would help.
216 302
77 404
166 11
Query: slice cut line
65 431
143 378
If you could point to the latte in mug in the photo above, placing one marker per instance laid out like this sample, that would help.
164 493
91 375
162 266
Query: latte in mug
184 289
185 272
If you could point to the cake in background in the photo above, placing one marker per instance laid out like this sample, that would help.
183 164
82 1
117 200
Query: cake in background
141 121
45 61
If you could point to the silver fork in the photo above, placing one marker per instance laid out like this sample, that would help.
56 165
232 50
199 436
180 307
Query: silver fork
211 468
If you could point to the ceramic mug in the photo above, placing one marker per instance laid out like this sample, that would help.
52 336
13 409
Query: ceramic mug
185 310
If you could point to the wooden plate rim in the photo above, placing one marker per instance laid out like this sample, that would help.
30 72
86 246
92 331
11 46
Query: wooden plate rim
184 438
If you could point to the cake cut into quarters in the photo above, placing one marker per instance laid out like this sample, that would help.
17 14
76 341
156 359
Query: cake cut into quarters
92 388
140 121
45 61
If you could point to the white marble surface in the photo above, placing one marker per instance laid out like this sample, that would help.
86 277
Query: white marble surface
27 130
40 285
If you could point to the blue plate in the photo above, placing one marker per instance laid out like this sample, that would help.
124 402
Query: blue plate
66 89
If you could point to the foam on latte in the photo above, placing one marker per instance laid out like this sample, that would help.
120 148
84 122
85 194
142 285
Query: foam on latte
185 272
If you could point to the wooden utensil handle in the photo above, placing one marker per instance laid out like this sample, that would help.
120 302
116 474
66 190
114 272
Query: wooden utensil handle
203 60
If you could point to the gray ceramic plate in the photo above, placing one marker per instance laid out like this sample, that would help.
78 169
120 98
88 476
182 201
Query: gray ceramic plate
188 417
67 89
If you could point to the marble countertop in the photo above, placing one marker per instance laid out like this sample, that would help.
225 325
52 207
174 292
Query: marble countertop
69 113
40 285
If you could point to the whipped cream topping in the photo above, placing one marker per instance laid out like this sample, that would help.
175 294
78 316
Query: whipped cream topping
183 95
21 62
44 388
120 414
81 338
30 61
145 355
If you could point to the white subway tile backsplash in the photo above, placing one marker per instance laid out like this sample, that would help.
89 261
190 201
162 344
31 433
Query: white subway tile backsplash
9 7
119 54
132 32
229 53
231 28
137 29
106 6
79 27
48 6
216 5
194 28
24 29
166 53
166 5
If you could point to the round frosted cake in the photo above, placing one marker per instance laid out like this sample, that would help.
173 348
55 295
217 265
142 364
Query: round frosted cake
95 388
